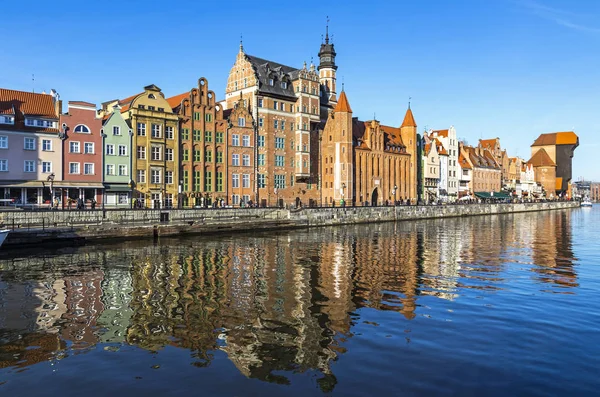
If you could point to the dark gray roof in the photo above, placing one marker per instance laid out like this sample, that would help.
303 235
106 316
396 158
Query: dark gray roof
272 70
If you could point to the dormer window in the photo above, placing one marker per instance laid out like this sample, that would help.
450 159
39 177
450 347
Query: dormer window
151 96
284 85
39 123
82 129
271 82
7 120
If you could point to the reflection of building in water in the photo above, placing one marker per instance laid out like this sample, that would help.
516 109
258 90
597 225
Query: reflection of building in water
388 271
116 296
552 249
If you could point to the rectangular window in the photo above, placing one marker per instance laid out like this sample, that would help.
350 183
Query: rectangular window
3 165
29 166
235 159
291 126
197 135
261 180
123 198
246 140
141 152
261 141
141 129
169 154
280 181
141 176
284 85
261 122
208 181
185 134
261 159
207 136
4 142
156 131
219 137
235 199
246 160
279 143
88 169
74 147
282 125
260 102
235 180
197 181
246 180
169 177
219 181
29 143
116 130
241 122
219 157
186 155
186 181
197 155
279 161
274 104
275 124
208 156
169 133
73 168
88 148
46 167
235 140
155 153
197 116
122 170
208 118
154 176
110 169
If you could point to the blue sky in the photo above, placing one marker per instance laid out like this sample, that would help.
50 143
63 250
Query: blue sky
492 68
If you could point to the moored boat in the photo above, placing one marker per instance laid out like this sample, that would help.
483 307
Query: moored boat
3 234
586 203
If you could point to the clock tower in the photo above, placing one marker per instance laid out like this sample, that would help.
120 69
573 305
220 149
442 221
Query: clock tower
327 69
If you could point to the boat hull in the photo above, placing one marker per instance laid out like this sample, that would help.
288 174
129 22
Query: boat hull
3 234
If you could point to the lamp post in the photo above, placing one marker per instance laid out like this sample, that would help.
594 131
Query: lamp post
394 193
276 191
179 191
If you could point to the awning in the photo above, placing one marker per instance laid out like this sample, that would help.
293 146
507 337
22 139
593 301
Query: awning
19 184
492 195
117 188
75 185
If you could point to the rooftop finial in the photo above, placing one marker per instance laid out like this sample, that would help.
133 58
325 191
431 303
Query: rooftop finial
342 83
409 98
241 43
327 31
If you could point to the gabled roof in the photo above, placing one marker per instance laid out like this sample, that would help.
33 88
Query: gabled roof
392 135
409 120
491 143
443 133
462 161
27 103
82 103
175 101
343 105
557 138
440 148
541 159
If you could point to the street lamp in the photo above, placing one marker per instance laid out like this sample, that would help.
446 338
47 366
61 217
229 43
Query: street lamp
179 194
276 191
394 193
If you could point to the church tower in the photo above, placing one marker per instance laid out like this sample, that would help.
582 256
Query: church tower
327 69
408 131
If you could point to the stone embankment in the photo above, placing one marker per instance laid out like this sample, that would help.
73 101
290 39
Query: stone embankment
70 226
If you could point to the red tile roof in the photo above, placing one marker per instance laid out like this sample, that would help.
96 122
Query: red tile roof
82 103
343 105
126 103
541 159
175 101
27 103
489 143
443 133
463 162
409 120
557 138
440 148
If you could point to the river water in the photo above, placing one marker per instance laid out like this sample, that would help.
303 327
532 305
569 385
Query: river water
490 305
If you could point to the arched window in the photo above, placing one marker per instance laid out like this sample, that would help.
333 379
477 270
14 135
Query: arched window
151 96
82 129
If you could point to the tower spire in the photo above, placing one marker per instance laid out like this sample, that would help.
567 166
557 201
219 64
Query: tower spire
327 31
409 98
241 43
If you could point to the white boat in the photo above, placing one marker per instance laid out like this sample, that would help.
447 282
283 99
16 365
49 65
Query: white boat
586 203
3 234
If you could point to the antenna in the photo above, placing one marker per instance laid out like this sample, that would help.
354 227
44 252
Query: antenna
33 82
327 31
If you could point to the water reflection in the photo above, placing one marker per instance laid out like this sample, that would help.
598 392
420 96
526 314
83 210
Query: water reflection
276 304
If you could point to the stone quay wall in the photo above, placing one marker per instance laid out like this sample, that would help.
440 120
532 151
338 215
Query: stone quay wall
51 226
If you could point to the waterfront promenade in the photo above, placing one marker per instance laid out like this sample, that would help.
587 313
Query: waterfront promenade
88 225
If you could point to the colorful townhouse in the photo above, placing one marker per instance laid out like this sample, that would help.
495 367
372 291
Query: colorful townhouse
81 137
117 160
486 173
450 143
30 148
366 162
499 155
154 172
203 171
